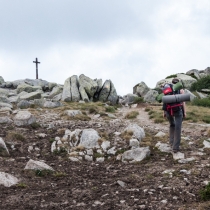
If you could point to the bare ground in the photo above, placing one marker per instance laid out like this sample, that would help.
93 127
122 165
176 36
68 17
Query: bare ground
108 185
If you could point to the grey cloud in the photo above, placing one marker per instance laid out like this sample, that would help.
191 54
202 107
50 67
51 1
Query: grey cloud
32 24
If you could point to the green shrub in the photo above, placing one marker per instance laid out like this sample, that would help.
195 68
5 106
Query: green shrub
171 76
138 100
203 83
110 109
201 102
44 172
205 193
61 152
21 185
206 119
35 125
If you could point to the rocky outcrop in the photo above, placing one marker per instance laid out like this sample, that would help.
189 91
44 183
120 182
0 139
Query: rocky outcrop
89 85
140 89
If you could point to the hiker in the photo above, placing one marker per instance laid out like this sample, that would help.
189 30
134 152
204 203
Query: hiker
175 121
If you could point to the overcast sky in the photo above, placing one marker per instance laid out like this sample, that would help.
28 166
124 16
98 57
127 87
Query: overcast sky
126 41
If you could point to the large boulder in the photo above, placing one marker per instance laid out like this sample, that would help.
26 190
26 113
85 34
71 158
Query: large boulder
30 96
4 92
129 99
38 82
140 89
24 118
5 120
105 90
1 80
74 88
194 72
150 96
113 97
162 82
66 95
89 138
55 91
83 94
88 84
17 82
23 104
207 71
187 80
27 88
52 104
2 104
138 132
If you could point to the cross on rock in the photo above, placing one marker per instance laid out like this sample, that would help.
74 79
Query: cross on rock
36 62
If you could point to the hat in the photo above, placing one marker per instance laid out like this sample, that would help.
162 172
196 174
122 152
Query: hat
175 80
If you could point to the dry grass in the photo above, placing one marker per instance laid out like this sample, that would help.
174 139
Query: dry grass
131 115
14 136
127 135
195 114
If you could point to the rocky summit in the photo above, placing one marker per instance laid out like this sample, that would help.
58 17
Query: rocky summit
60 149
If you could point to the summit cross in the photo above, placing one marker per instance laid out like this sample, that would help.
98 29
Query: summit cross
36 62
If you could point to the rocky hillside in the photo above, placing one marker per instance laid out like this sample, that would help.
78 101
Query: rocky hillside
96 156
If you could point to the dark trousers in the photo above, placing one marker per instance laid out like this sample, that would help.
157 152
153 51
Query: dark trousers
175 128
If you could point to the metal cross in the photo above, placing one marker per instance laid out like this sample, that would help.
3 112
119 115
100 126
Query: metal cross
36 62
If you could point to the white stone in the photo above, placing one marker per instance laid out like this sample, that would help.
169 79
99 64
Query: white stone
163 147
42 135
89 152
37 165
138 132
5 151
53 146
5 120
88 158
24 118
100 159
74 159
111 151
30 148
134 143
57 138
117 133
89 138
72 113
178 155
7 179
105 145
137 154
186 160
160 134
206 143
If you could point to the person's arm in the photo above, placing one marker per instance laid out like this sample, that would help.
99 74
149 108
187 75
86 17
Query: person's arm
184 105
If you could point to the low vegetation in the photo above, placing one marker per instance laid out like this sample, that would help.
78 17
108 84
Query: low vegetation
195 114
203 83
131 115
15 136
205 193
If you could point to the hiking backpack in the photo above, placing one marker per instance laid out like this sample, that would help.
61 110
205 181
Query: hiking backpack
171 107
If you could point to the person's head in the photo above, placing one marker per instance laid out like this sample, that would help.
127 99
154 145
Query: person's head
175 80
